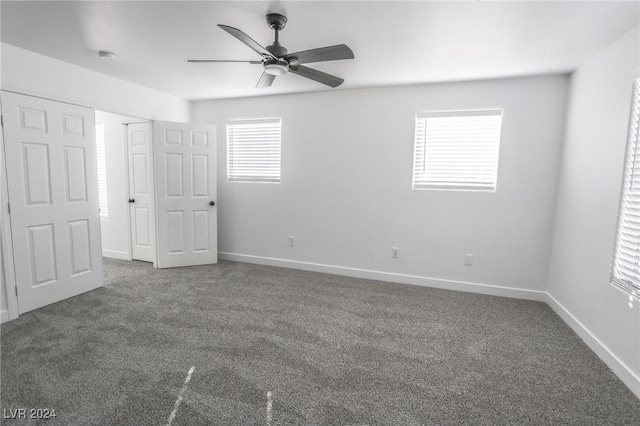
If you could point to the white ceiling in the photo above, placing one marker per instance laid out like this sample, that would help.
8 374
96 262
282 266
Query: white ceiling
393 42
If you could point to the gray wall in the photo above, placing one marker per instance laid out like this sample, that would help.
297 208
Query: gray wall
346 184
588 199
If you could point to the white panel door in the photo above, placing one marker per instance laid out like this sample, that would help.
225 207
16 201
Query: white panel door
53 191
141 192
186 194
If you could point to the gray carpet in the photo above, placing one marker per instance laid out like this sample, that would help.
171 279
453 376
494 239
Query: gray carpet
329 349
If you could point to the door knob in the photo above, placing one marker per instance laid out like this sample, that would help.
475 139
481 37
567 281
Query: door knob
132 200
212 203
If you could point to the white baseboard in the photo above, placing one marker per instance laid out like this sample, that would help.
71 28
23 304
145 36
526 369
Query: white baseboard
390 277
4 317
628 377
116 254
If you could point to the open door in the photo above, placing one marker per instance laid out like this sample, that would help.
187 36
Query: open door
185 194
141 195
53 194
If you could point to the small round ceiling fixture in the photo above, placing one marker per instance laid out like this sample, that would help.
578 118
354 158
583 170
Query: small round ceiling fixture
105 55
276 67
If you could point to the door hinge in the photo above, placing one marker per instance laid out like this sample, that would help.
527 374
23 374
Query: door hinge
9 207
1 120
16 287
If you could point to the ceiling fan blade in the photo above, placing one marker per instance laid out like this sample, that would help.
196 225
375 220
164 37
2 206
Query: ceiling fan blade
321 54
319 76
265 80
221 60
247 40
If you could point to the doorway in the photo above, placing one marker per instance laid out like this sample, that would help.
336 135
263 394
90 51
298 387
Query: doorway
63 213
159 191
125 185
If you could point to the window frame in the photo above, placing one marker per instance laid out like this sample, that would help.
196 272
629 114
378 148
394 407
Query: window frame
103 197
420 148
630 188
232 176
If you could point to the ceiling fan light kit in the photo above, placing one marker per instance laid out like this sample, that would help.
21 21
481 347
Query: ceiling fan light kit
277 61
276 67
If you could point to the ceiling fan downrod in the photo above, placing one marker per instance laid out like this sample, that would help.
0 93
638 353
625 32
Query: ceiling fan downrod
277 23
277 66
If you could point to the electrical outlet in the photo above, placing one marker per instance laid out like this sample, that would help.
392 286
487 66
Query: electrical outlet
292 240
395 251
468 260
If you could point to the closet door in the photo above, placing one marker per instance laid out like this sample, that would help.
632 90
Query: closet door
185 194
53 194
141 200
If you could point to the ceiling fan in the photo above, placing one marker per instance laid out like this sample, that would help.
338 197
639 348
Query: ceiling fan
277 61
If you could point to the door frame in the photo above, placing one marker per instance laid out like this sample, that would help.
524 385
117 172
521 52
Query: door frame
125 134
131 119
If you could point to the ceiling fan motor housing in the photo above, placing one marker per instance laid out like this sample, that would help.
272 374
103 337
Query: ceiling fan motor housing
277 50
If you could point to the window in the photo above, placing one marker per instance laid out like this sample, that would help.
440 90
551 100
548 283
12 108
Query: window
457 150
102 169
626 260
253 150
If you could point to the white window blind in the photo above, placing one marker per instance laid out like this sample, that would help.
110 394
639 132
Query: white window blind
102 169
253 150
457 150
626 261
